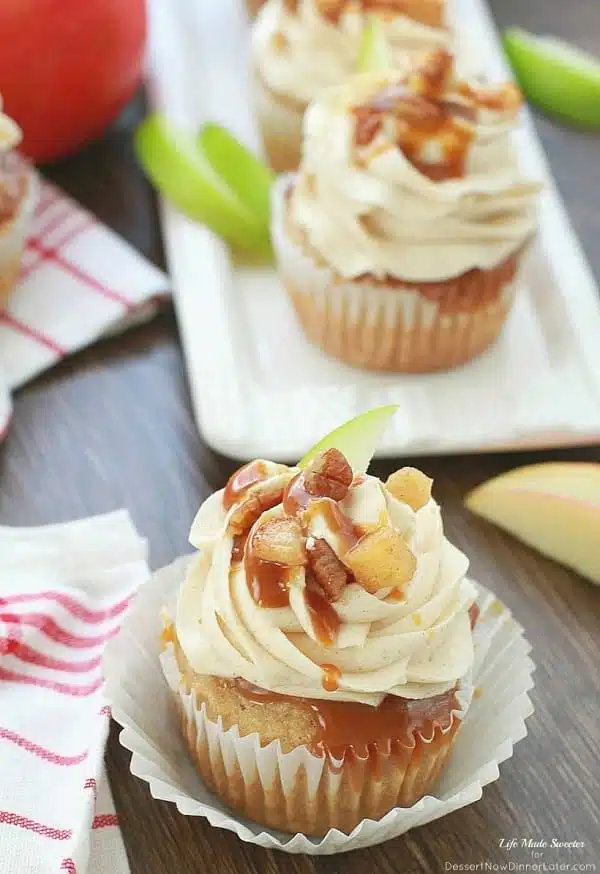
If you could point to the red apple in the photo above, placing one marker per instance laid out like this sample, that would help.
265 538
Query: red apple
67 67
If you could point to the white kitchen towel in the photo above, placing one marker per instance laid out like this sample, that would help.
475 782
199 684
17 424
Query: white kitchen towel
64 590
79 281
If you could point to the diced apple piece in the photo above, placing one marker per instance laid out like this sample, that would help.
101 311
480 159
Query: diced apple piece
281 541
410 486
357 439
381 560
553 507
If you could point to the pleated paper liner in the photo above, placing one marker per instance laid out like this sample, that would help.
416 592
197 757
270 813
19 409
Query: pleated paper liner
390 326
142 703
297 791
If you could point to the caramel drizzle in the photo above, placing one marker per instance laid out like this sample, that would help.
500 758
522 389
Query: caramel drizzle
428 112
242 480
345 728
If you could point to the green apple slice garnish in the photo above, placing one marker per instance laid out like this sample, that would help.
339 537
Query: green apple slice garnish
374 51
243 172
182 172
557 77
357 439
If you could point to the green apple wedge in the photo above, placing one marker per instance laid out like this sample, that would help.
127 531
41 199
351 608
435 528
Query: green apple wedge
553 507
357 439
183 173
559 78
243 171
374 51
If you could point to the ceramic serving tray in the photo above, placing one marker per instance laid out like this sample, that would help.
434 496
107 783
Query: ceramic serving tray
260 389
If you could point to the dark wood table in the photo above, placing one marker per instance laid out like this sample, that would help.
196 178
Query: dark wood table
113 427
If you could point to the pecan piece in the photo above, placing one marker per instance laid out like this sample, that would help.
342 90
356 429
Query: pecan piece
262 498
279 540
327 570
328 475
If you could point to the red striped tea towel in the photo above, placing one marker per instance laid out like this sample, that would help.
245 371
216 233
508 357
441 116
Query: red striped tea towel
63 592
79 281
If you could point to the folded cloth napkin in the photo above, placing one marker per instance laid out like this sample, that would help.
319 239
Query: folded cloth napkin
63 592
79 281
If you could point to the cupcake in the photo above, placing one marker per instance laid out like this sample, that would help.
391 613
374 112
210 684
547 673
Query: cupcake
17 198
301 46
254 7
400 240
321 648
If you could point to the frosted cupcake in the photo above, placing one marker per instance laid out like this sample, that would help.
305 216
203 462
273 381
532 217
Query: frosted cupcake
400 240
17 197
254 6
323 644
302 46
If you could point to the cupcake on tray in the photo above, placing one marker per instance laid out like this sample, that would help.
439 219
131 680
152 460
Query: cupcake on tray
400 240
254 7
302 46
17 199
321 649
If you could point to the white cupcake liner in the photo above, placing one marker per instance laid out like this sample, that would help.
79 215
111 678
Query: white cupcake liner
297 786
142 703
386 327
13 234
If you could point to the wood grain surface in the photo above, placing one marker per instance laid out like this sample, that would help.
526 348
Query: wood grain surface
112 427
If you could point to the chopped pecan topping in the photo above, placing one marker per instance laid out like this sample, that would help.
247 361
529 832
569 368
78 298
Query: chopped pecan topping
279 540
432 77
430 12
331 9
262 497
410 486
368 125
328 571
328 475
382 560
430 116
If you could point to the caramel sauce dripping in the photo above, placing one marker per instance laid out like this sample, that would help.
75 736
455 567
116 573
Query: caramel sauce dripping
268 581
395 596
325 620
346 729
422 118
337 521
239 544
331 678
296 498
242 480
474 612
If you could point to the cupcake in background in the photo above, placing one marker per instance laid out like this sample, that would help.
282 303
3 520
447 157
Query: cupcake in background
321 650
302 46
254 7
400 240
17 200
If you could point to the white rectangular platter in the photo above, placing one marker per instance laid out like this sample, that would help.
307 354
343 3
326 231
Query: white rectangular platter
260 389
